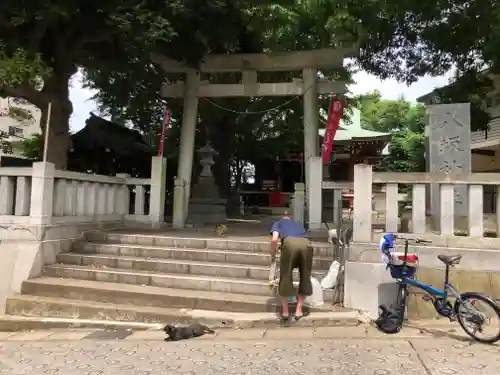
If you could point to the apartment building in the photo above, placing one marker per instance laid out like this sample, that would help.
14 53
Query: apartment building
18 130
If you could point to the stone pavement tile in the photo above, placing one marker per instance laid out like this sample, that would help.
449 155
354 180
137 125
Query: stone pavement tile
340 332
5 335
68 335
147 335
256 357
405 333
240 334
29 336
450 357
290 333
451 331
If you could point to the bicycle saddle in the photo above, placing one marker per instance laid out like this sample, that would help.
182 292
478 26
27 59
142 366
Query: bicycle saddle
450 260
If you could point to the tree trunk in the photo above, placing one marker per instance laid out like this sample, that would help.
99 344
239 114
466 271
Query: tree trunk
222 143
56 92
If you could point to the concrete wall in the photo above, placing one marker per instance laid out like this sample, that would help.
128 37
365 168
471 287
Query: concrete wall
24 250
368 283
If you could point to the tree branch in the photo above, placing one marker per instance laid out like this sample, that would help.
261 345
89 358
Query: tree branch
39 30
23 91
75 48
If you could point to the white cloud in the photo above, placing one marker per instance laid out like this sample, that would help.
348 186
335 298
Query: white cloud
390 89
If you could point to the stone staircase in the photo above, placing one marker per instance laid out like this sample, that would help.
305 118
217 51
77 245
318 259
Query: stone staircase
149 278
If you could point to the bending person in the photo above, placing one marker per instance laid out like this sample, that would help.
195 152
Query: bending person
296 252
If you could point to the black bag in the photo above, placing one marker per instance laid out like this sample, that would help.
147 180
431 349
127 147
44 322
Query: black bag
389 320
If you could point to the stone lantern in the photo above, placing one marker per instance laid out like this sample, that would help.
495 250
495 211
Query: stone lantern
206 206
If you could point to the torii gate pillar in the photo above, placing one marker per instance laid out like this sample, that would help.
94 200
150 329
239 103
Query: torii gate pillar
311 116
188 134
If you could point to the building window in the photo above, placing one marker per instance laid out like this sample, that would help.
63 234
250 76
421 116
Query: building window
15 132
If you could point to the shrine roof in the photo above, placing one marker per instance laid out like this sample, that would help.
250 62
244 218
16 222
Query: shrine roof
119 139
352 130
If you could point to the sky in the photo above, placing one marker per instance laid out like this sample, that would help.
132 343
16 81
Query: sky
390 89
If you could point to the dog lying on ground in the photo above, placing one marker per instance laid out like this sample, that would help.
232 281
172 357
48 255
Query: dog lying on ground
183 333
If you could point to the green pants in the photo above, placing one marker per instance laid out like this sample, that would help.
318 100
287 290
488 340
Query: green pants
295 253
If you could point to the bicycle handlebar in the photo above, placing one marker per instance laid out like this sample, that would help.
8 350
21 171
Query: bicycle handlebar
414 240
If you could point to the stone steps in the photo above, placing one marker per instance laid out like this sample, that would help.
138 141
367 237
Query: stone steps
172 266
138 295
27 305
260 258
149 279
91 313
166 242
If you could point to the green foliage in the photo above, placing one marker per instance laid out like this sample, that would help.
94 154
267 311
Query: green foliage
470 88
32 147
407 124
259 127
49 40
19 67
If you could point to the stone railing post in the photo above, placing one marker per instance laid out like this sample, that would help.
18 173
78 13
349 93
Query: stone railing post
158 190
362 216
314 190
123 201
298 203
42 193
179 217
338 207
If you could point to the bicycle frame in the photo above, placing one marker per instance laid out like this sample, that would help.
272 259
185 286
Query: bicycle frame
433 292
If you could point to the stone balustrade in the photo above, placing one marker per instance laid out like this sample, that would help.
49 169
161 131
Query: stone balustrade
418 185
42 195
15 194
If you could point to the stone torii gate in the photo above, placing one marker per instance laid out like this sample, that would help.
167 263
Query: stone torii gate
192 88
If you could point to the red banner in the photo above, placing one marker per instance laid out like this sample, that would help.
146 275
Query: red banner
166 121
334 116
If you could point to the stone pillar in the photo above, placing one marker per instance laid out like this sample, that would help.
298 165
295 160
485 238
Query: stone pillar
7 193
42 193
178 219
337 206
158 190
314 190
123 201
311 116
298 203
188 134
449 150
362 216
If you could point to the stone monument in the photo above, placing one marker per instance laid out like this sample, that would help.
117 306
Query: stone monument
449 150
206 206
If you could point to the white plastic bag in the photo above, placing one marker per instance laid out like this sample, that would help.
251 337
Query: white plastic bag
330 279
316 298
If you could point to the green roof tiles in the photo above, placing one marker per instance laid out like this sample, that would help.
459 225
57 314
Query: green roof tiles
349 131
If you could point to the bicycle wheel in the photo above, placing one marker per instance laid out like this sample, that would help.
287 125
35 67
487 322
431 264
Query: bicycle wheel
473 320
401 301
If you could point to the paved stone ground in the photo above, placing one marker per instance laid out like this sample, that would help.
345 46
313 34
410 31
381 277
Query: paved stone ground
294 351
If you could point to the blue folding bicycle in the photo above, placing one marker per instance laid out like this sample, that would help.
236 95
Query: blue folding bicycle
466 308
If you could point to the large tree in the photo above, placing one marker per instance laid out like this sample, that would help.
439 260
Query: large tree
407 39
399 39
406 122
259 127
43 43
